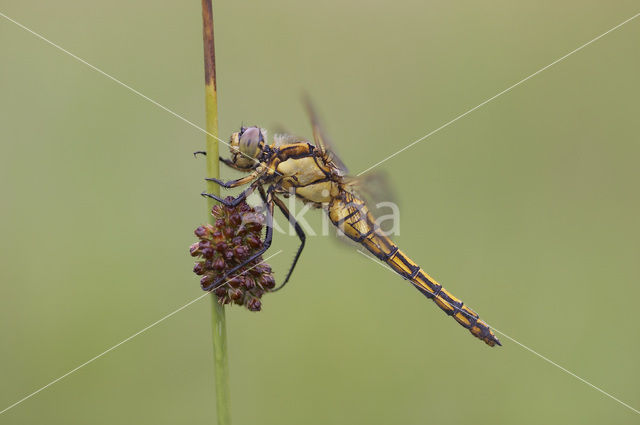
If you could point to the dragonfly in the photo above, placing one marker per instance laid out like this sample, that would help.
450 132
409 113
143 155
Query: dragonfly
314 174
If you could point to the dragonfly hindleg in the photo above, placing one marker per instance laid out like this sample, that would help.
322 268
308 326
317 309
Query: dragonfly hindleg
265 245
283 208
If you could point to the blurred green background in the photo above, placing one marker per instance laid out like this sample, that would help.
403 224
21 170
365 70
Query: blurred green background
527 209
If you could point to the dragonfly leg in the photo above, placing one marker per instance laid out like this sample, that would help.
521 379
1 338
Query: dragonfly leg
229 163
299 232
234 183
235 201
225 161
265 245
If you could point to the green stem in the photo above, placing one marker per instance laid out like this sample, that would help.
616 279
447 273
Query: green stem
218 321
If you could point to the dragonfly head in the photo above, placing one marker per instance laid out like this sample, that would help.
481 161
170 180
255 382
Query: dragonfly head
247 146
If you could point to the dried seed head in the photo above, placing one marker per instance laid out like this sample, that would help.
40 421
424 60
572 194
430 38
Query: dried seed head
249 283
267 281
253 242
236 294
235 236
254 304
218 264
201 231
206 280
228 231
235 282
241 252
198 268
235 219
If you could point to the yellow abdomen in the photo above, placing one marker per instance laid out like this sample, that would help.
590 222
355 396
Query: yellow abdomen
350 215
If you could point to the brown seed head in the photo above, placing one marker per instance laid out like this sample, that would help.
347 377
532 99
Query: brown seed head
235 237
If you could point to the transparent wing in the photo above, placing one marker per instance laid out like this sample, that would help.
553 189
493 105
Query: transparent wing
320 138
282 136
285 138
373 188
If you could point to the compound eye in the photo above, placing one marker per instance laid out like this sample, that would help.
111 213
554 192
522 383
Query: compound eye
250 141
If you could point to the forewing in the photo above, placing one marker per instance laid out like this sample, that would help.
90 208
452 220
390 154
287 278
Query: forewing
376 191
282 136
320 138
373 188
286 138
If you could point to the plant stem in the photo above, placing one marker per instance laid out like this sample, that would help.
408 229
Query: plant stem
218 320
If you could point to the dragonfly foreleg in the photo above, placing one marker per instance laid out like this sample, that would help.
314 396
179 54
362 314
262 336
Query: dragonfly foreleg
225 161
235 201
229 163
234 183
265 245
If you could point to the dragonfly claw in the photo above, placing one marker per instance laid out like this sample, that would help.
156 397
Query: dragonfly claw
220 182
212 196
